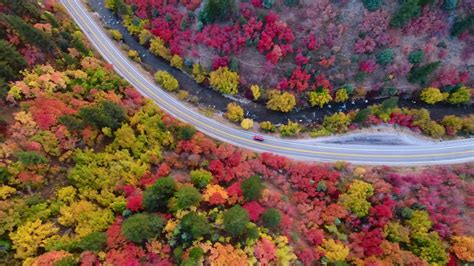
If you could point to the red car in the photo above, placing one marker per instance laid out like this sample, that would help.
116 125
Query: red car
258 138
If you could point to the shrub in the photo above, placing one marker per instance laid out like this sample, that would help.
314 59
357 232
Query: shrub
362 115
166 80
252 188
267 126
460 96
157 195
195 225
433 95
247 123
319 98
236 220
224 80
134 55
290 129
415 57
142 226
271 218
385 57
95 241
201 178
185 197
372 5
420 74
234 113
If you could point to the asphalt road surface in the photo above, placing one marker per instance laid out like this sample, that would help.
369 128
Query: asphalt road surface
456 151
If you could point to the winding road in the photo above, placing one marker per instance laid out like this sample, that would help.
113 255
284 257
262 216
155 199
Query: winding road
456 151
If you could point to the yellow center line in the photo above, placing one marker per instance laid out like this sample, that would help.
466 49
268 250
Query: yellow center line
133 79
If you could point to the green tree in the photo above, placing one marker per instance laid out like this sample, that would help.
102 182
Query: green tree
420 74
156 196
106 114
31 158
142 226
463 25
30 34
271 218
216 10
236 220
252 188
195 225
185 197
11 62
385 57
201 178
372 5
95 241
408 10
416 56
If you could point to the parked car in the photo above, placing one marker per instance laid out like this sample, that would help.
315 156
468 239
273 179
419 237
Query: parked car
258 138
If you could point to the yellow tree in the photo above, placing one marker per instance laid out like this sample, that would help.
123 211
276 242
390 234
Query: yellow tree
177 61
341 95
247 123
157 47
319 98
460 96
198 73
234 113
432 95
334 251
224 80
283 102
166 80
31 236
256 92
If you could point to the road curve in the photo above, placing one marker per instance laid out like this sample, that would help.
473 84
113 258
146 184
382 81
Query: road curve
425 153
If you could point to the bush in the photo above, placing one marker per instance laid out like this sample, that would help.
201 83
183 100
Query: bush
252 188
142 226
385 57
95 241
236 220
186 132
290 129
362 115
185 197
201 178
156 196
166 80
195 225
267 126
415 57
271 218
372 5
